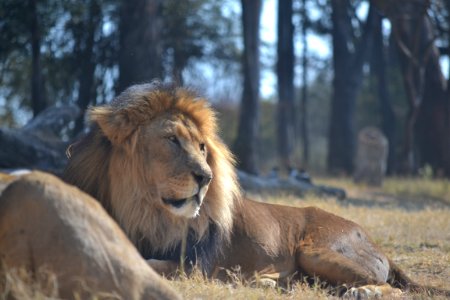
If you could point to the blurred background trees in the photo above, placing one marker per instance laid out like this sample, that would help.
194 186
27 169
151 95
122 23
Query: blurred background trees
245 146
332 68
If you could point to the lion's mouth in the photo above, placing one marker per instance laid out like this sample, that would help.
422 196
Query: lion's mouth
177 203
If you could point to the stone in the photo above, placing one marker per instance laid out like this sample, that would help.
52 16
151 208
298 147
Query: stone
371 156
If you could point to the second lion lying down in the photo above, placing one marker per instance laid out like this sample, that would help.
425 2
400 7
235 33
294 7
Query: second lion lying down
153 158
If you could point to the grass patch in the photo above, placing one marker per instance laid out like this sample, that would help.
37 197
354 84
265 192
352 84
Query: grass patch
422 188
198 287
401 187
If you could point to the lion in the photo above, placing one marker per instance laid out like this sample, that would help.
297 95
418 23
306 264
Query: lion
68 245
155 161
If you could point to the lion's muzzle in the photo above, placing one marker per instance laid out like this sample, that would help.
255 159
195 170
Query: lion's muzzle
177 203
186 207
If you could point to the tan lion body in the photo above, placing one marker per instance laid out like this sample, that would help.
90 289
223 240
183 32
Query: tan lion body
306 241
154 160
50 229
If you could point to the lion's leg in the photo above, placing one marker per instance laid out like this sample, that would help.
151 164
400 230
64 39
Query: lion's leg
334 267
338 269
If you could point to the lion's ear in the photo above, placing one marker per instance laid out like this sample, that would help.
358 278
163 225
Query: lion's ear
115 124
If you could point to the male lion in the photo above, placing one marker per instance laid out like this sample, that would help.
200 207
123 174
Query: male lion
154 160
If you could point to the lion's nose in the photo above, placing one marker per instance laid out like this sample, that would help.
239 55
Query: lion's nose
202 179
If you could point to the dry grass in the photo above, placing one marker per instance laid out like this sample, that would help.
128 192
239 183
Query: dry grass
197 287
20 284
425 190
408 218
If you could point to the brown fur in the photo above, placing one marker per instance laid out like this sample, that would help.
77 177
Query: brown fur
50 230
273 241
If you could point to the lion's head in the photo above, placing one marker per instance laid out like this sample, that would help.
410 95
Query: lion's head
154 160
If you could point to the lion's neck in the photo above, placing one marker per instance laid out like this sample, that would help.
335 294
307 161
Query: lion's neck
142 218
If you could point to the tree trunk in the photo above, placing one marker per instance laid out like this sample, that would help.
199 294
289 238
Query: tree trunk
38 102
447 171
140 53
388 118
285 74
85 92
245 144
348 67
428 123
304 99
434 115
180 61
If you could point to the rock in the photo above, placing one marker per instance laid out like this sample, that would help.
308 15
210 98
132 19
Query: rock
45 223
50 123
371 156
39 144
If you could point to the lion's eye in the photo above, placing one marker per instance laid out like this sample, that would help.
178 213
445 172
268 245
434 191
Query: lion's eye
174 140
202 147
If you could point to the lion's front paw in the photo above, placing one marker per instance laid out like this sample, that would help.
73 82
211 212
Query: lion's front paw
264 283
372 291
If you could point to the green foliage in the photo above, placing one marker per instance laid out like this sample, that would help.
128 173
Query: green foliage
194 29
199 30
426 172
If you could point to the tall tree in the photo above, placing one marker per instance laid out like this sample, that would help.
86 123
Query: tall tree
428 123
378 67
349 56
179 35
140 54
304 96
87 63
38 100
245 144
285 75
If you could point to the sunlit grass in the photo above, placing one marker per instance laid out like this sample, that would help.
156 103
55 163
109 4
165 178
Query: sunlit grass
438 188
424 188
198 287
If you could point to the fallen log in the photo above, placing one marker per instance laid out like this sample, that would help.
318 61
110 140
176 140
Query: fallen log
258 184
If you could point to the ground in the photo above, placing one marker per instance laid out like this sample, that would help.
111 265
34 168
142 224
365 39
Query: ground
408 218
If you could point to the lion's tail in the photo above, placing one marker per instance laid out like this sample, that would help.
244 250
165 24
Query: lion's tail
397 278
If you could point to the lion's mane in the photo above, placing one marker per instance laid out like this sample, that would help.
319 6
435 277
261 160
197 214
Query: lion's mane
95 168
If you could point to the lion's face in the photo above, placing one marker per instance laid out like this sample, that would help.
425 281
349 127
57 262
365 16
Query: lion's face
175 152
